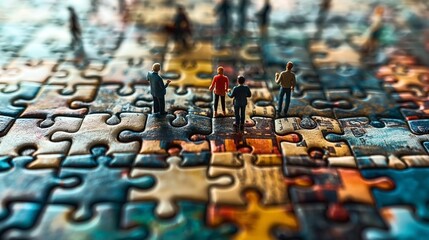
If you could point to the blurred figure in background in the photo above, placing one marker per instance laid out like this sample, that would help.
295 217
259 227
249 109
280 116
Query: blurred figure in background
223 11
324 7
74 26
243 5
182 28
374 31
263 18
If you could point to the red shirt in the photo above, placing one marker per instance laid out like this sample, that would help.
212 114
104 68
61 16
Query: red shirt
220 85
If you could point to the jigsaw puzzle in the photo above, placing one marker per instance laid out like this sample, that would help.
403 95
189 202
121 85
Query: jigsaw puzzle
94 147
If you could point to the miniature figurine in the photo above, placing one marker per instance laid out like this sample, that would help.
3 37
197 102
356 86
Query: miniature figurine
263 16
75 30
157 89
287 81
220 85
240 94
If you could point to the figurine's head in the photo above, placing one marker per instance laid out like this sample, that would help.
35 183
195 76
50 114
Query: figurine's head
180 8
220 70
289 65
241 80
379 10
71 9
156 67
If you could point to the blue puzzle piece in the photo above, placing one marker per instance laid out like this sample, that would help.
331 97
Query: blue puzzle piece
100 183
189 223
26 91
402 225
410 189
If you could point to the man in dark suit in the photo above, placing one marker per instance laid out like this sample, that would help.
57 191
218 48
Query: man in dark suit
240 94
157 89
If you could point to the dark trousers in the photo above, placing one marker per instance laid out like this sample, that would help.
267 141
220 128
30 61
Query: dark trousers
284 91
240 115
158 104
222 102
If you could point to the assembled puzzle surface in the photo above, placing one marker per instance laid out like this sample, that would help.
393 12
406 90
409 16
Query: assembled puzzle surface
84 156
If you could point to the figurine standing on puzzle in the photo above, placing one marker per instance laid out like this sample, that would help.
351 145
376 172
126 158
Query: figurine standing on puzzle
157 89
287 81
220 86
240 94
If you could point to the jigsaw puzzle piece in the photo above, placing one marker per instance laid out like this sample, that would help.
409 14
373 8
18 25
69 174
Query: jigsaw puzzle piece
312 138
224 137
361 106
255 220
55 223
175 183
8 98
94 131
156 128
405 181
33 185
22 215
127 73
189 222
348 77
189 73
316 222
26 134
20 70
108 100
394 139
50 103
301 104
154 153
69 76
339 185
402 225
112 184
246 174
194 101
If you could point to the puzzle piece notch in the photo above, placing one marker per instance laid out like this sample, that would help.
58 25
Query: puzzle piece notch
255 220
193 100
191 183
242 169
94 131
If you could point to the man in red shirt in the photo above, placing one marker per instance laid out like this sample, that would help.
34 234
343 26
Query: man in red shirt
220 85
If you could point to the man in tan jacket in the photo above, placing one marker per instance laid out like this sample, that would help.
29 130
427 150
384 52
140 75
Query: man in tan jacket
287 81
